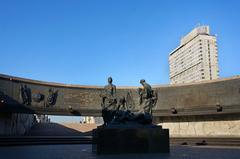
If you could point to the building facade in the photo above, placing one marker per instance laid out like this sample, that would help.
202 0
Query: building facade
92 120
196 59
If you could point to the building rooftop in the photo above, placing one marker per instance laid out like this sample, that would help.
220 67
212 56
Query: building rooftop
204 30
201 30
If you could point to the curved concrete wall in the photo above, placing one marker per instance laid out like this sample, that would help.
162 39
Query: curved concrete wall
188 99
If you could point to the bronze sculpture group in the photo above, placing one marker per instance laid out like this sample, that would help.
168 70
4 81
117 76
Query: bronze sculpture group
115 111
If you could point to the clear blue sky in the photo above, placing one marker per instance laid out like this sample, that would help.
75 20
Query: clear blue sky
84 42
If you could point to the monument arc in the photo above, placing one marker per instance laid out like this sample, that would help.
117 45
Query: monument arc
217 97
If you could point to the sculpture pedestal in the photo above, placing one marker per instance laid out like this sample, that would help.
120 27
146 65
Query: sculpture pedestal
130 139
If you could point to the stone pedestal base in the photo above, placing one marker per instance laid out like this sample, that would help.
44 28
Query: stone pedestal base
118 140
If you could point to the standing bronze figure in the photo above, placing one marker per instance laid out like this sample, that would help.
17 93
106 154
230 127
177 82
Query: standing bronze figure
109 101
147 97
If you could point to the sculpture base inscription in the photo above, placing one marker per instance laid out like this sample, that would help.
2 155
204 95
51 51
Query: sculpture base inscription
130 139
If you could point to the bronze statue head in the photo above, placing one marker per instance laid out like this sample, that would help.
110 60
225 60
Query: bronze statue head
110 80
142 81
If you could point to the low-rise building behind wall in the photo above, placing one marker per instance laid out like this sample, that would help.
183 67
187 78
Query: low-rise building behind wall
93 120
42 118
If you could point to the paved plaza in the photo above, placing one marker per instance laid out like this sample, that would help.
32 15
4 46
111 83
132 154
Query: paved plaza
85 152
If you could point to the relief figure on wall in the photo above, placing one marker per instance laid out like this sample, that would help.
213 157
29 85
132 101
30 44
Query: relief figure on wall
25 94
52 97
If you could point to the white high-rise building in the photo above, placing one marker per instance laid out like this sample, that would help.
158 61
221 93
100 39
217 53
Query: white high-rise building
196 59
